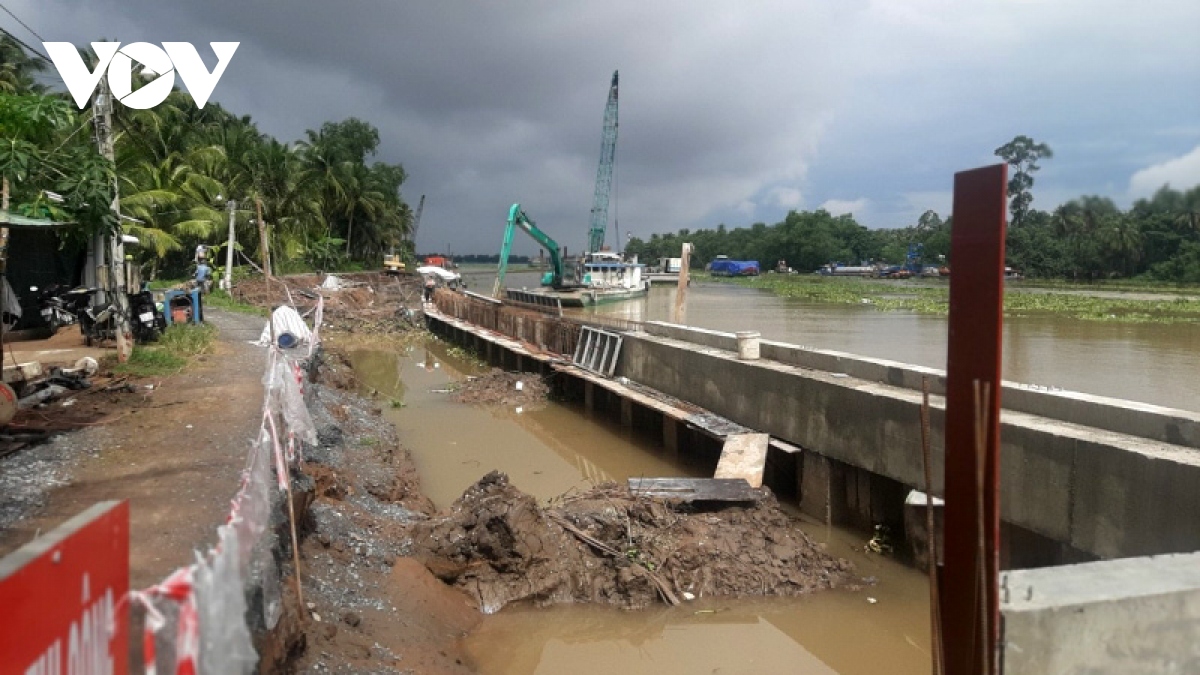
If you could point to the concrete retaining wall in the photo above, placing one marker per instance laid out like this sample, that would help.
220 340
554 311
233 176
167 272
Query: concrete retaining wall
1168 425
1134 616
1104 493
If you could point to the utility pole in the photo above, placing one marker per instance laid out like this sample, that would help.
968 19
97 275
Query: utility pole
102 116
227 281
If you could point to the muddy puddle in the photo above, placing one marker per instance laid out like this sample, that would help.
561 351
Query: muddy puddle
557 448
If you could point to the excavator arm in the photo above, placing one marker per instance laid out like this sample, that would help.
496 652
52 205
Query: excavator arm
517 218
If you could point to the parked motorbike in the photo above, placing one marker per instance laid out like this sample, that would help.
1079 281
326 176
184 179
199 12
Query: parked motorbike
147 322
61 307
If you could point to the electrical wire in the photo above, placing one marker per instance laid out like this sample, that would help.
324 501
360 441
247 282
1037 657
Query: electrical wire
24 44
26 26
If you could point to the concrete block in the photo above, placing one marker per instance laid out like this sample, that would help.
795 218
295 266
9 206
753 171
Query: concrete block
1137 500
744 456
1132 616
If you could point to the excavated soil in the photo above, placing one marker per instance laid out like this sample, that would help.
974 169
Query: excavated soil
366 302
608 546
498 387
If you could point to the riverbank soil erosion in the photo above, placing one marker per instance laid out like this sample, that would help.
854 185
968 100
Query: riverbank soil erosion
608 546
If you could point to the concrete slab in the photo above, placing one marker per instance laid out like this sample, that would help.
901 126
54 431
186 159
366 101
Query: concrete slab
1128 616
744 456
62 349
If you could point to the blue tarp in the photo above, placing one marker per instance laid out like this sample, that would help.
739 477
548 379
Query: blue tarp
734 268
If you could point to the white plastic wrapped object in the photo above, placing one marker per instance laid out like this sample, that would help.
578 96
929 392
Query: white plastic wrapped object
225 645
287 327
288 400
332 283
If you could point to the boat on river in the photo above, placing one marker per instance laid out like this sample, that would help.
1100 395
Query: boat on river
601 278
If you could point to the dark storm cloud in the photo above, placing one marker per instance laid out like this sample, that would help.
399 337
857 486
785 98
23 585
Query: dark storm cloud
729 111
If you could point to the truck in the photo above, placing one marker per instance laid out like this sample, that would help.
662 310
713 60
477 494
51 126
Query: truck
438 260
722 266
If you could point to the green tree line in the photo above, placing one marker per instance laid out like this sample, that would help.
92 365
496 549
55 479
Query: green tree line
1086 239
324 203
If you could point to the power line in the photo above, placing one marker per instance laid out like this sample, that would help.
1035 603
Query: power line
9 12
26 45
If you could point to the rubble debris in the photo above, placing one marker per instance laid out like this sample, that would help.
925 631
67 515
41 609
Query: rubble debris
607 546
498 387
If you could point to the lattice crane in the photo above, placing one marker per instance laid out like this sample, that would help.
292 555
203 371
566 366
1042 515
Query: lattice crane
604 174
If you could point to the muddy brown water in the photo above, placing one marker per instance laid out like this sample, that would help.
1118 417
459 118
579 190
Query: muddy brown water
1151 363
546 452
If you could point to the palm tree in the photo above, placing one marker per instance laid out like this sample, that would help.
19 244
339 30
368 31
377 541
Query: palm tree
1123 239
18 68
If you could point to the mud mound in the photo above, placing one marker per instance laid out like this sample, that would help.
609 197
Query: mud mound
363 301
606 546
498 387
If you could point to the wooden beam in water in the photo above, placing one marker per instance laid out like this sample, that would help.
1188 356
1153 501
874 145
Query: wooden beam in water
696 489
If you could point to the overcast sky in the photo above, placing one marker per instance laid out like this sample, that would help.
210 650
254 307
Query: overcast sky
730 112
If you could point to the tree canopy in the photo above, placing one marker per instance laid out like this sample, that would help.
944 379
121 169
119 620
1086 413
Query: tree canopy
324 202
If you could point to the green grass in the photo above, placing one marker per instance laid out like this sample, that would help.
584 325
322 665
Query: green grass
222 300
186 339
892 296
174 351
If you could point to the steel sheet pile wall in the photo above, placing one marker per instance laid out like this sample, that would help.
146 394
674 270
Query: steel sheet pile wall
546 332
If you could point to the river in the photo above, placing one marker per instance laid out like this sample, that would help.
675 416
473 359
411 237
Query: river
1146 362
883 628
561 447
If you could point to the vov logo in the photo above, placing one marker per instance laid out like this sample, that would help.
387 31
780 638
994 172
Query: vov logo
117 61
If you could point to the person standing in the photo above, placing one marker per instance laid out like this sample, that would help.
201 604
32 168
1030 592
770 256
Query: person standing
430 284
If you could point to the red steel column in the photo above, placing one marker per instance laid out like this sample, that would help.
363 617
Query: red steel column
969 630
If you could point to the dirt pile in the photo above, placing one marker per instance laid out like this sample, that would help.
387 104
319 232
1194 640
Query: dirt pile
360 302
607 546
498 387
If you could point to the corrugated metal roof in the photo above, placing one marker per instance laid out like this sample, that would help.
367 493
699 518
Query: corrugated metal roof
14 220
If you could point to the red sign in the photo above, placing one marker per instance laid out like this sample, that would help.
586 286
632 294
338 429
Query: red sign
61 594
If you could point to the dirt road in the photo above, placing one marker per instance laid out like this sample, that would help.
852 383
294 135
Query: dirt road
176 456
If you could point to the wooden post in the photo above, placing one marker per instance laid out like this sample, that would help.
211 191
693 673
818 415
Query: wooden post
685 261
264 246
4 228
969 594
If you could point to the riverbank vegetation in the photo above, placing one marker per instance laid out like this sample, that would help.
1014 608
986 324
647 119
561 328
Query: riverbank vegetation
318 202
1089 239
933 298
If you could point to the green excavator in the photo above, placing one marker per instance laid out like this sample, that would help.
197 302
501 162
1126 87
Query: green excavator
556 277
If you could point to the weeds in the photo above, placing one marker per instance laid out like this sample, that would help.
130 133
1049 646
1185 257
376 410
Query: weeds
188 339
174 350
222 300
892 296
150 362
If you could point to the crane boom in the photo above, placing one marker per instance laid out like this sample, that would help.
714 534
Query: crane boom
517 218
417 218
604 174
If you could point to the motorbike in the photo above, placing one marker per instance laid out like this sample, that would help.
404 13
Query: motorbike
147 322
61 308
99 322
